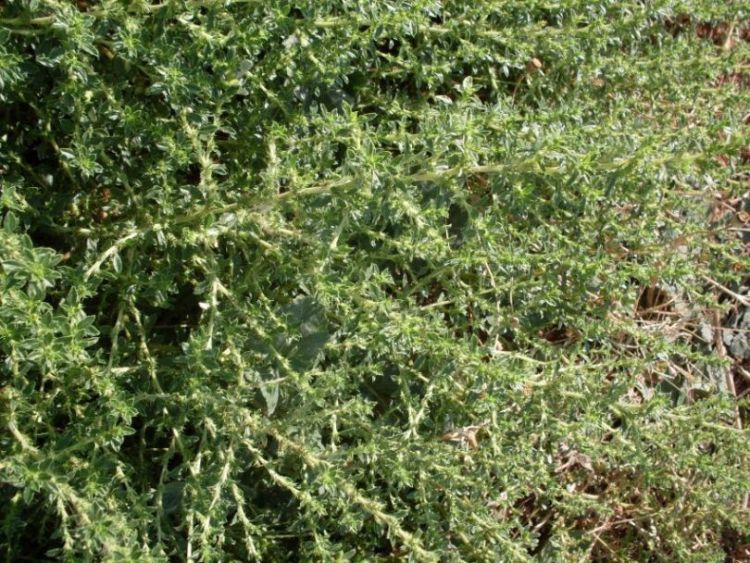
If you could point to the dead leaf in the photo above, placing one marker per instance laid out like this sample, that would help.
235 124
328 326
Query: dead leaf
464 436
534 65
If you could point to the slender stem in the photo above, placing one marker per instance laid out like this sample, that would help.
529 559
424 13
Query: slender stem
41 21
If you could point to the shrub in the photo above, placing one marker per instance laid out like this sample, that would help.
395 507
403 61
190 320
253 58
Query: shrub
368 280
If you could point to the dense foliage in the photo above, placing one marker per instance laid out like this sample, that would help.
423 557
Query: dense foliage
356 280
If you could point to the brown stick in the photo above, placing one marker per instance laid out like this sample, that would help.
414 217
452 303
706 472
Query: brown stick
729 379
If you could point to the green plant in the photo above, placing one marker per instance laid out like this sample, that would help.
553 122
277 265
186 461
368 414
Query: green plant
259 257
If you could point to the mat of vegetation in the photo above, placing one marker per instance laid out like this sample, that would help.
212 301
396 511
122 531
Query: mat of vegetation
368 280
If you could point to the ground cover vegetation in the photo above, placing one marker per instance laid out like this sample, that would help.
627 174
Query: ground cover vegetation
356 280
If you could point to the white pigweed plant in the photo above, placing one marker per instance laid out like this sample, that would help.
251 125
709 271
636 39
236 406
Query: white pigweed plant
374 281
